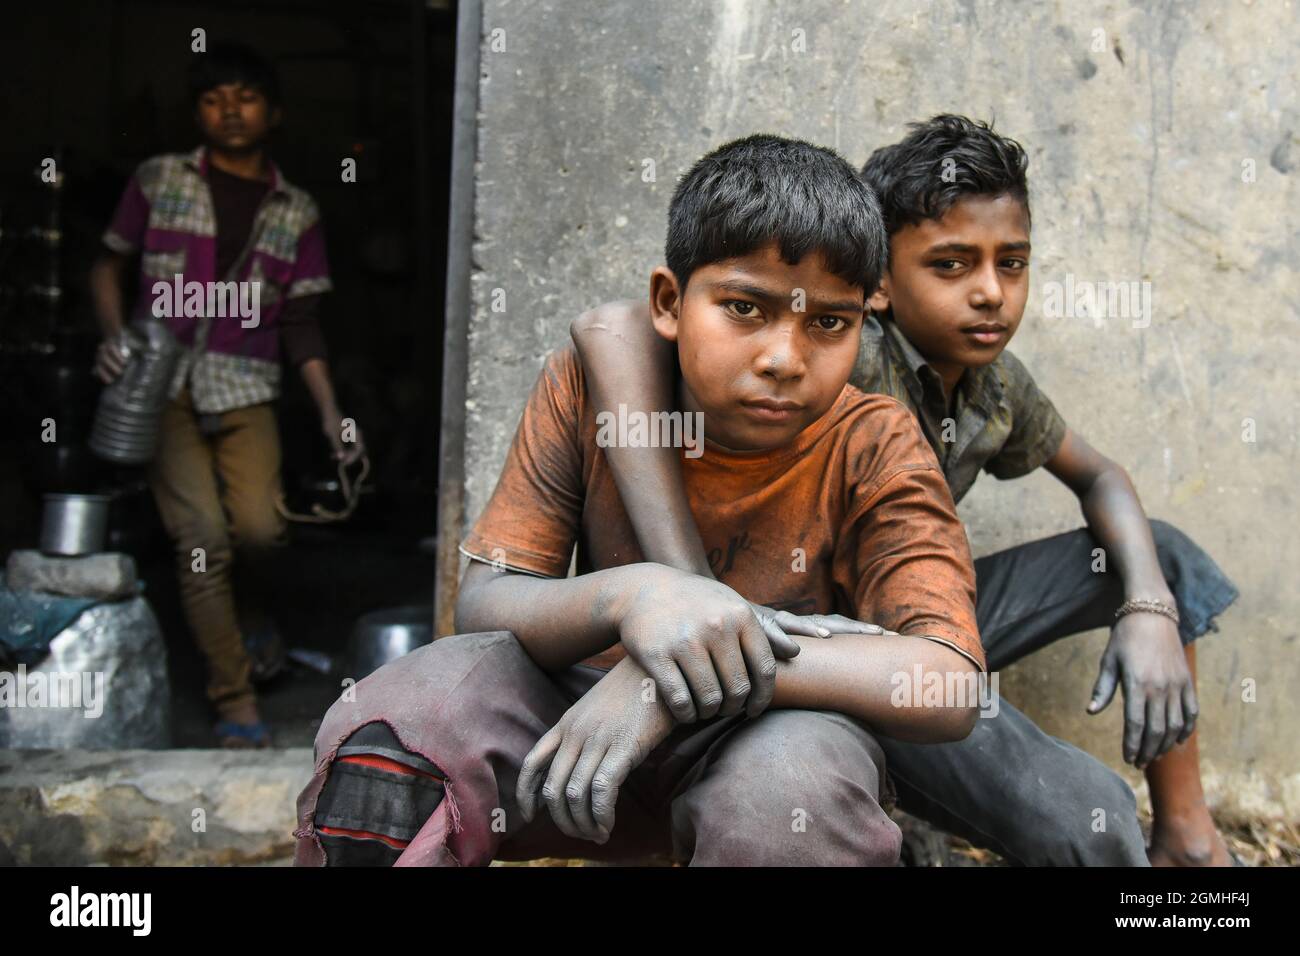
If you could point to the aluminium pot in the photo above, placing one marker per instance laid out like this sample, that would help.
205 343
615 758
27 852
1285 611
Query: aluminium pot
381 637
74 525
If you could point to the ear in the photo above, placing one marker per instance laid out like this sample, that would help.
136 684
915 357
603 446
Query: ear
274 119
665 303
878 301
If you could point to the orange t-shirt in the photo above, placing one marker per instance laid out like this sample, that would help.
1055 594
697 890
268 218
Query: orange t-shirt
853 517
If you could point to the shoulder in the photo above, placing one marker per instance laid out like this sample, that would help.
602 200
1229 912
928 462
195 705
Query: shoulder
1021 393
562 383
563 365
1033 428
157 171
881 434
859 402
881 446
1013 374
300 207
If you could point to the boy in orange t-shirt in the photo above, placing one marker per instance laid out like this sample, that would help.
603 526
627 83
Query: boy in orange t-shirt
706 731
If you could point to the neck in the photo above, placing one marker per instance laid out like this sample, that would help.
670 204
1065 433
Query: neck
247 164
949 375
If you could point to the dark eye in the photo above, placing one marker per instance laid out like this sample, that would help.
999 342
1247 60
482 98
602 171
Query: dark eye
830 323
948 265
1015 264
741 307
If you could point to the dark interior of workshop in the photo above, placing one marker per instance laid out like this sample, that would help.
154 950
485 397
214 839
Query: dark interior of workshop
370 80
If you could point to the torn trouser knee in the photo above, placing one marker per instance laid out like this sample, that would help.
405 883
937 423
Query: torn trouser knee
472 705
375 800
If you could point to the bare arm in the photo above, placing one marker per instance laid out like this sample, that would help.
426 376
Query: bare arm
106 276
559 621
106 291
316 376
1145 654
1111 507
626 362
858 674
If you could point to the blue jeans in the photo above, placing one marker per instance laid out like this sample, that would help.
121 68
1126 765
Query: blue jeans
1009 786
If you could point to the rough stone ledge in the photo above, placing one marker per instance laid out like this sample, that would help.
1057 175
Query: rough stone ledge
137 807
150 807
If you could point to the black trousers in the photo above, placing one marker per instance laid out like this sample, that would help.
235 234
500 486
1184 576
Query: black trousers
1010 787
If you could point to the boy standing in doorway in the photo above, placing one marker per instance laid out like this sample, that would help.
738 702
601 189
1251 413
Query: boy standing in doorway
224 212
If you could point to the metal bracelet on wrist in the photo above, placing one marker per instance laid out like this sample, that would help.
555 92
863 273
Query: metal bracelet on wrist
1155 607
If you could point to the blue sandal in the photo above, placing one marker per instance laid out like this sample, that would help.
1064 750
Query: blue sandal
235 736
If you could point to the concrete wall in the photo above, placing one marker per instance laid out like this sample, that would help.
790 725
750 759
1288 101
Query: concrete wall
1140 120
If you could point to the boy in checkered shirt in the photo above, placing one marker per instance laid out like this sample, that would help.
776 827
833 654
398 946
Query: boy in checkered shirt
223 213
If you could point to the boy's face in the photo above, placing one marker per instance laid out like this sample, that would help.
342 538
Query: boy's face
235 118
765 346
958 284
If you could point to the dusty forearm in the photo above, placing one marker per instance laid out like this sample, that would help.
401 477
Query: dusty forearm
863 676
559 621
106 294
1115 517
315 374
625 362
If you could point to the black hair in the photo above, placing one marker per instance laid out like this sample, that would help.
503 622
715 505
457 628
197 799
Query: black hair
752 191
229 62
940 161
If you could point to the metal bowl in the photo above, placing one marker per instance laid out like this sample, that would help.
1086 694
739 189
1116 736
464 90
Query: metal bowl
383 636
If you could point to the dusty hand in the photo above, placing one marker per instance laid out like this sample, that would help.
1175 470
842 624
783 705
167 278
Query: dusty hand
1145 656
598 742
778 625
701 643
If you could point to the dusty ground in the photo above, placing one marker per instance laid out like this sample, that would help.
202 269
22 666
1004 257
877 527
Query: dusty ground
1276 844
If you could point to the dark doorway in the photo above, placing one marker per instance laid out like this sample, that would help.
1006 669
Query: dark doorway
99 86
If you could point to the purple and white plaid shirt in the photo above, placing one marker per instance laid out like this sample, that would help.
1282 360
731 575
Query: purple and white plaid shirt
167 215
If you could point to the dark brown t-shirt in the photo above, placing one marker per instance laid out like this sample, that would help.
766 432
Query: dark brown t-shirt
235 201
854 517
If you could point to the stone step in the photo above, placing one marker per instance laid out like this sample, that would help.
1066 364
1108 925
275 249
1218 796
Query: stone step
150 807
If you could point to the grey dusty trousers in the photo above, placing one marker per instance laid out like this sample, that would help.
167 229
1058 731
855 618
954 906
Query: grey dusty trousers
420 769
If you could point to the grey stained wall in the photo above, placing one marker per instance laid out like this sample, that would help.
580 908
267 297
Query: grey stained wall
1144 122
